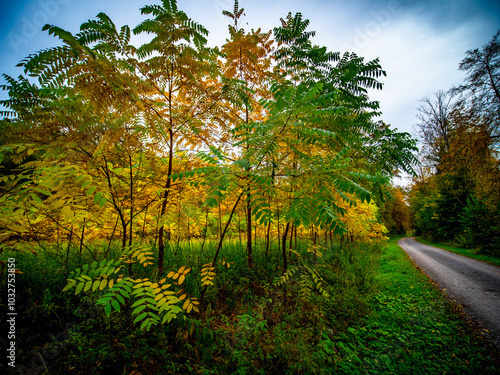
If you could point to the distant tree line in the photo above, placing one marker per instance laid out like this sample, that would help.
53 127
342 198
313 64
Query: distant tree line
456 195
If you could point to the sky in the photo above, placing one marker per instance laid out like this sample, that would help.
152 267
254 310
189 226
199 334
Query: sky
419 43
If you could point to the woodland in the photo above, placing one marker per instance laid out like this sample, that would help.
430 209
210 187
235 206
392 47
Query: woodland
179 208
456 195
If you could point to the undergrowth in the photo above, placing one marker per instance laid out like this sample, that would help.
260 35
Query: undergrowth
372 313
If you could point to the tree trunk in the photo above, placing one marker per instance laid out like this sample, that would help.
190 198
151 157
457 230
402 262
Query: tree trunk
69 244
249 233
285 262
81 239
268 239
131 201
161 234
219 246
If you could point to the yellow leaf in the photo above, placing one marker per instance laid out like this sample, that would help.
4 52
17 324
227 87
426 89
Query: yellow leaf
103 284
161 302
182 297
176 276
186 304
181 279
189 308
181 269
111 283
171 273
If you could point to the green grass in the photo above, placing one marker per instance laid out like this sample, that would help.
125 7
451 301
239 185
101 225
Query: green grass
470 253
412 329
381 317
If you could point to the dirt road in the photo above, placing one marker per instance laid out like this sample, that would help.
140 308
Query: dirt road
474 284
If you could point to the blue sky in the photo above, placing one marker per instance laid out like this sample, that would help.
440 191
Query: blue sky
419 43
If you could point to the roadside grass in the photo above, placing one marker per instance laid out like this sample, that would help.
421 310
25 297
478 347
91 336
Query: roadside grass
412 329
470 253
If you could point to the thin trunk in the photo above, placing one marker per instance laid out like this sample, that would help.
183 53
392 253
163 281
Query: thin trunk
295 238
249 233
219 246
220 222
124 232
69 244
239 228
268 239
115 203
112 235
255 236
205 232
82 238
285 262
131 201
279 238
161 233
144 224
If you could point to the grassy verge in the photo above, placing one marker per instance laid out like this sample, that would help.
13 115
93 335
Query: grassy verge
470 253
412 329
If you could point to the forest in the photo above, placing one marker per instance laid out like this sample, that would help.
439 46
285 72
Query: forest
456 196
178 208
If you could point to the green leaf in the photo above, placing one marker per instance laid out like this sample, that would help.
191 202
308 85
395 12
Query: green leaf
44 192
97 197
102 202
138 309
91 190
140 317
88 284
107 309
120 298
69 286
116 305
79 288
145 323
36 198
139 302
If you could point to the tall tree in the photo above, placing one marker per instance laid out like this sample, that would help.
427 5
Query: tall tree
247 59
434 127
483 79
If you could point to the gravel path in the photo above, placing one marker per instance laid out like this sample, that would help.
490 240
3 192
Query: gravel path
474 284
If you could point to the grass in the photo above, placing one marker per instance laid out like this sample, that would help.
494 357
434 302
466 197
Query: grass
469 253
381 317
412 329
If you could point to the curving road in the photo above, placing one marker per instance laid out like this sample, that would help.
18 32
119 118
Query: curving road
474 284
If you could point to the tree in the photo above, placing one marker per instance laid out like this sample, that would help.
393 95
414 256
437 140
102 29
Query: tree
435 129
483 80
247 60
